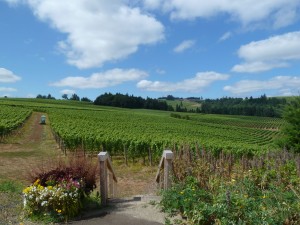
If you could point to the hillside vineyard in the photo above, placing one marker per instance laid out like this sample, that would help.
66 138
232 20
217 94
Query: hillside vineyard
138 132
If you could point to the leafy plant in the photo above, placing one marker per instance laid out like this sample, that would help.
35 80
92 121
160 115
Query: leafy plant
292 129
259 190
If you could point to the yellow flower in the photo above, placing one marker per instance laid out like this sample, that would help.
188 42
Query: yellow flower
26 190
50 187
37 182
232 180
58 210
264 196
181 192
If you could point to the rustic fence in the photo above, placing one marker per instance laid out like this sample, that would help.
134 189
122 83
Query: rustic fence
108 179
165 167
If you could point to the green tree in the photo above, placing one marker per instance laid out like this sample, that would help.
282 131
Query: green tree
75 97
85 99
65 96
292 129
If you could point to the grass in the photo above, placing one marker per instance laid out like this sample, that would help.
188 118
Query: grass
9 186
134 179
11 202
189 105
18 154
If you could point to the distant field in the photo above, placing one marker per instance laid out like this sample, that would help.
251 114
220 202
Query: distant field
183 103
84 126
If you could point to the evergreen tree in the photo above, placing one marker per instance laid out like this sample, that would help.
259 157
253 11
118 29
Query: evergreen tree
292 129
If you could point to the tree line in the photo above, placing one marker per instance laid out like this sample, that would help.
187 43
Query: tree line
130 101
262 106
73 97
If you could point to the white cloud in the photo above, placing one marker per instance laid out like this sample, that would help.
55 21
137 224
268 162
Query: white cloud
97 31
255 67
183 46
7 89
7 76
278 13
270 53
101 80
195 84
279 83
67 91
225 36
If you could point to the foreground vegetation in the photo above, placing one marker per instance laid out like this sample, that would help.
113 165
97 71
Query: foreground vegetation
227 190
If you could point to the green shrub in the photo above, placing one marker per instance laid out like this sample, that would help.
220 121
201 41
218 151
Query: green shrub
258 190
236 202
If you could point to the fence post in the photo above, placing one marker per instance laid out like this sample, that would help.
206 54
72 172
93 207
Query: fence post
102 157
168 157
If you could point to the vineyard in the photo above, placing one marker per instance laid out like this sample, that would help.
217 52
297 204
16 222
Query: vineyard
12 117
143 133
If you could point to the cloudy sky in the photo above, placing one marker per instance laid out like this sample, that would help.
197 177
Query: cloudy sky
152 48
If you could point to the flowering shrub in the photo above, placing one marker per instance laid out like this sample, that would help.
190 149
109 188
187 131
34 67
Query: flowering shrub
60 199
60 190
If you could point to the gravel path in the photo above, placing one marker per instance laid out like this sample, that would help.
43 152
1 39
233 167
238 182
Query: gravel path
131 211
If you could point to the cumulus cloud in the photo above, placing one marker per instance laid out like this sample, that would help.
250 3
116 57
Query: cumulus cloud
270 53
183 46
97 31
195 84
278 13
7 76
102 80
283 84
255 67
7 89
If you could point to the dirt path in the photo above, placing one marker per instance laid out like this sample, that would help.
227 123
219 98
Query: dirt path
31 144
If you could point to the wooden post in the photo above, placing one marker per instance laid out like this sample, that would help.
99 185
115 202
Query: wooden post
168 157
102 157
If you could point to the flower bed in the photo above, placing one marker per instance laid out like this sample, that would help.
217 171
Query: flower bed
61 199
59 194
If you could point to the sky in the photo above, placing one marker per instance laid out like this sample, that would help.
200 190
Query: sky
150 48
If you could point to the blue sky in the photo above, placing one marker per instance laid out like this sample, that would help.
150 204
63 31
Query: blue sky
152 48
